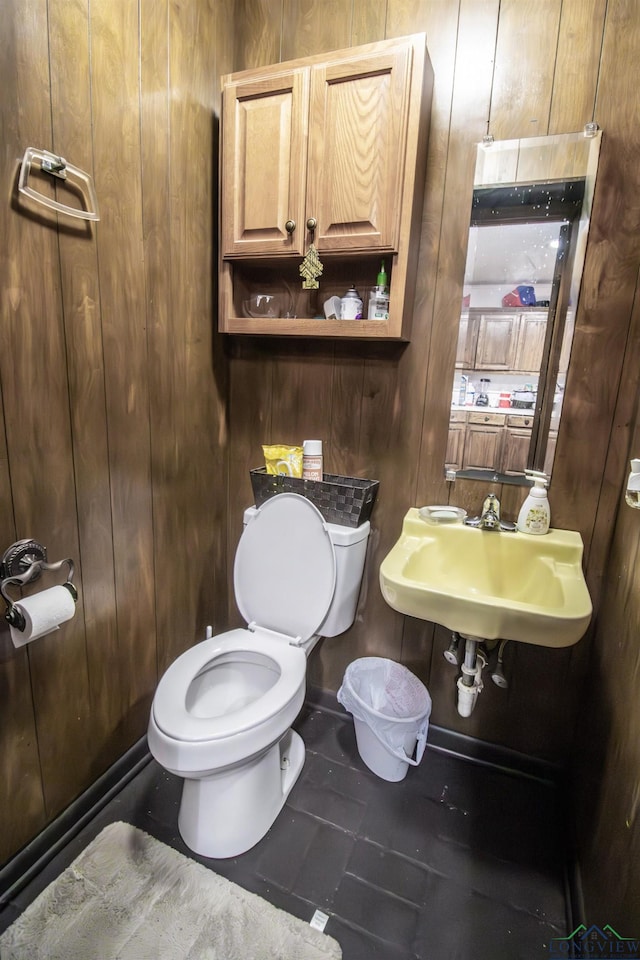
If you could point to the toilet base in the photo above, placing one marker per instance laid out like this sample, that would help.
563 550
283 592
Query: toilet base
225 815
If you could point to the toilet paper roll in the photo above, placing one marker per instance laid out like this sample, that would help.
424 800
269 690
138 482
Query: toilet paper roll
43 613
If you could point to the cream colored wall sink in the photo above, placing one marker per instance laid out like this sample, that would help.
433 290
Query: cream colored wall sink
489 584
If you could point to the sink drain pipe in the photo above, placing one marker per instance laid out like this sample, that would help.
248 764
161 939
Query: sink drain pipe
470 683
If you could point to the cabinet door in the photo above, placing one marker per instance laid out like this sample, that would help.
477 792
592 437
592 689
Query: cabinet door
455 446
483 447
357 143
516 450
467 341
533 328
497 341
264 156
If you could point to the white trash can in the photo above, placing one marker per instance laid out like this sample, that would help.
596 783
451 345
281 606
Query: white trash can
391 710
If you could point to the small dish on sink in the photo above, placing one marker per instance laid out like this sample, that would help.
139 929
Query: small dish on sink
443 513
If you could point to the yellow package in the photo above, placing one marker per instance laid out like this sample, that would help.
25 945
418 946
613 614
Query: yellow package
281 458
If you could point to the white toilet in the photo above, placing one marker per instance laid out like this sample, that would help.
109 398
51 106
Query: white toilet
222 713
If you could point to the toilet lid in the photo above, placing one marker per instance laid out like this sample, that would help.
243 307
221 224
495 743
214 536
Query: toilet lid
285 567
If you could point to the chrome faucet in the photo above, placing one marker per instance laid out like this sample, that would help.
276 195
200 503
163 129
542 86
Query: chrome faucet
490 516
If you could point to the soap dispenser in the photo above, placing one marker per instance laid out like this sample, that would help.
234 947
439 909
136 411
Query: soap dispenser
632 495
535 512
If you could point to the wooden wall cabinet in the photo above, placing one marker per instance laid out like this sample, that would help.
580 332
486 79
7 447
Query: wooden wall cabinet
338 141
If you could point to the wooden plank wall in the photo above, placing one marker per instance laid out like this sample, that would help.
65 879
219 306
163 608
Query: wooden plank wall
121 411
114 434
514 68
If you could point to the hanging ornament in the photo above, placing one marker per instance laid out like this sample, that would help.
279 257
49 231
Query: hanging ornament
310 269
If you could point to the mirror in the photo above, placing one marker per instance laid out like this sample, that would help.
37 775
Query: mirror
525 253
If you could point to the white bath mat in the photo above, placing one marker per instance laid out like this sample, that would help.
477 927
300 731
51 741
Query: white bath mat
130 897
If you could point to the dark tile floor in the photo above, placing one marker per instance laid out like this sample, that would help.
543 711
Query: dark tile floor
462 860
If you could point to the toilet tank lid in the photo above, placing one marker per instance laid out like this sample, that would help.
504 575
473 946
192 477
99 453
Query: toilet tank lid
285 567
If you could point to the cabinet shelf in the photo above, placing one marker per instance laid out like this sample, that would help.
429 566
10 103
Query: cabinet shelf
312 327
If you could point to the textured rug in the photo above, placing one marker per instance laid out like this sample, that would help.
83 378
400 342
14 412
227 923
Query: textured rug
130 897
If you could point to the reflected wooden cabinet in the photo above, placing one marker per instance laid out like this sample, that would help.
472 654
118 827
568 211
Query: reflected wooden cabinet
329 150
484 440
467 342
455 442
512 341
488 441
483 447
515 450
497 341
531 336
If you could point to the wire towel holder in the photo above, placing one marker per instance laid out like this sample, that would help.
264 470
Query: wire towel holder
57 167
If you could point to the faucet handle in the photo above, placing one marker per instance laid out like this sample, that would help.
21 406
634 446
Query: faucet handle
491 502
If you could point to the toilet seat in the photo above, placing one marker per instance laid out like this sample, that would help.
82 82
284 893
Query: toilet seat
285 567
170 710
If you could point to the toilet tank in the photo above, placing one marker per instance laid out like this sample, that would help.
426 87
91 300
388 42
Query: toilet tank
350 546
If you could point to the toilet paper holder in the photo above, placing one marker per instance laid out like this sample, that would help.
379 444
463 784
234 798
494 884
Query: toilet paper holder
23 562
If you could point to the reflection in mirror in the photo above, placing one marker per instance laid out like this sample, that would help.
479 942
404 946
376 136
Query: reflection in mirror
526 246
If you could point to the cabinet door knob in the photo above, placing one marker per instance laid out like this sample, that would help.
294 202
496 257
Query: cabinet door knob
312 223
290 226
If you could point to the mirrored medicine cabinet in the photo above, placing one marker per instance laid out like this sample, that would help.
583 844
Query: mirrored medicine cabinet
525 254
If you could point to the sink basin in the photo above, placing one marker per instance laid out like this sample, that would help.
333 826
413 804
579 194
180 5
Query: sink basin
489 584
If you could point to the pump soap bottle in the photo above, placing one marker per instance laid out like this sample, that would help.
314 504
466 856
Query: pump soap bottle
535 512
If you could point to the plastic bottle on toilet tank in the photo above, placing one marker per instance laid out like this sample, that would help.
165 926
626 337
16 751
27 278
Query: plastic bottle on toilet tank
312 465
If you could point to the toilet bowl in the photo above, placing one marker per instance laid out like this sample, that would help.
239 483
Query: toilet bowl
222 713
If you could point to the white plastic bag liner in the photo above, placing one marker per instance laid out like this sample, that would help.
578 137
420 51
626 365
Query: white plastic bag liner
391 710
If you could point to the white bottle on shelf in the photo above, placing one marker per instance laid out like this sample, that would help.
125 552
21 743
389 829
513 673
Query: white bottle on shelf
535 512
312 465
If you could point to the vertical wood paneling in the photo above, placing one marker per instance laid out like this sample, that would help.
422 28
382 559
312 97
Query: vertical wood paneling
607 791
309 27
523 78
165 342
440 22
257 31
71 108
21 792
36 406
114 55
471 97
368 22
114 389
202 500
577 65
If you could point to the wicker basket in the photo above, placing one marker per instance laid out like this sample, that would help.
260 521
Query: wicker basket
344 500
